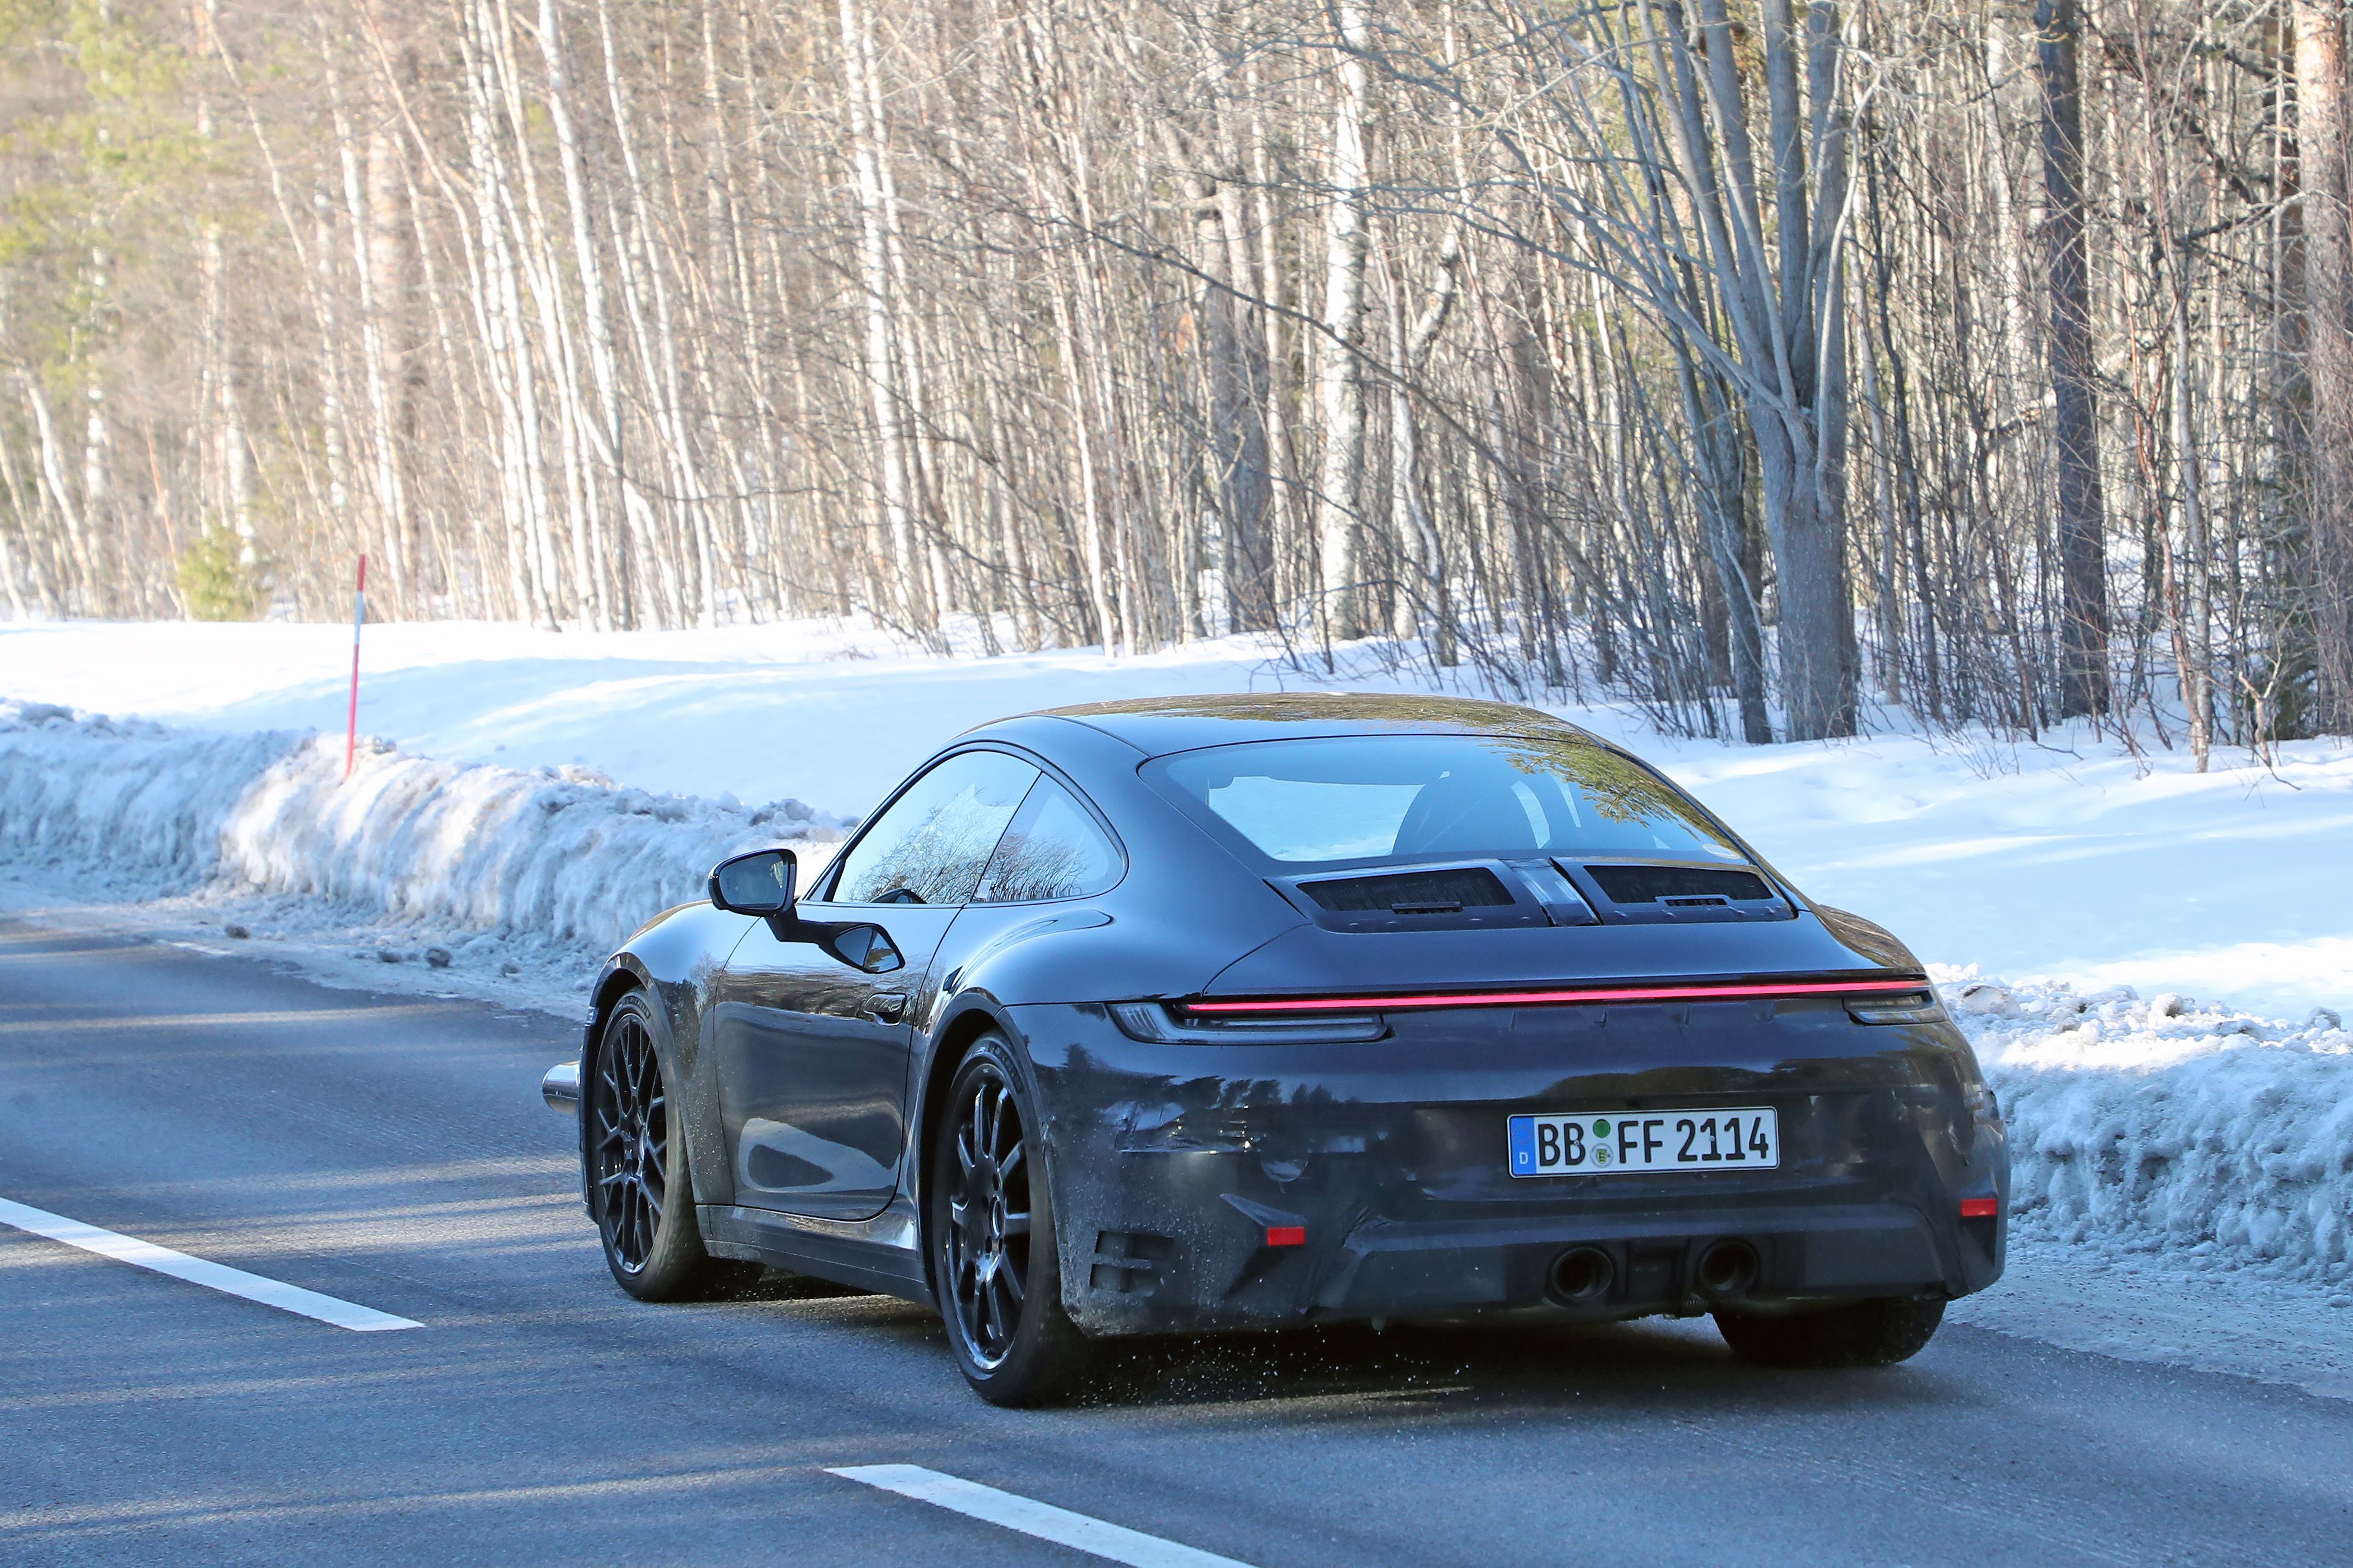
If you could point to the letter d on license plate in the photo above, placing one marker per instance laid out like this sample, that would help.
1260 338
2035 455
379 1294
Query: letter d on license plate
1745 1138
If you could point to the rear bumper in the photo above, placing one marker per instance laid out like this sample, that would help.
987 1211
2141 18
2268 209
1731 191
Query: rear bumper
1819 1252
1210 1187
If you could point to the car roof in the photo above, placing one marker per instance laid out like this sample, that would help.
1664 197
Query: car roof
1157 726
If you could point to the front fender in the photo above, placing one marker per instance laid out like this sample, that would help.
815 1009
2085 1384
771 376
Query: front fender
675 958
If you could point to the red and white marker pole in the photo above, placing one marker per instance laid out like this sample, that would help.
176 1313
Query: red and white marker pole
359 619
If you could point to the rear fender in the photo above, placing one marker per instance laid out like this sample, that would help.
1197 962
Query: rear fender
963 1019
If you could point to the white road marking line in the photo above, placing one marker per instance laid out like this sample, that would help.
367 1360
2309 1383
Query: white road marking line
1031 1516
199 1271
310 1018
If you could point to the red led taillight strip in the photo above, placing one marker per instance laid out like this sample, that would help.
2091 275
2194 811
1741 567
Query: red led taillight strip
1392 1003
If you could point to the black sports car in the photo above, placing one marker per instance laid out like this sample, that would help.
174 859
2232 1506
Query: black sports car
1220 1013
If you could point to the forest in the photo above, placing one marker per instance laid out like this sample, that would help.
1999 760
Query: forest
1782 369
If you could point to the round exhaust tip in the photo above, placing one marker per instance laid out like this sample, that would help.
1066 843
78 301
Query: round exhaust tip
1581 1275
1727 1268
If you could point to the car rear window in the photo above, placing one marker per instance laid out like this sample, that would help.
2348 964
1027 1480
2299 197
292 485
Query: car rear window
1368 798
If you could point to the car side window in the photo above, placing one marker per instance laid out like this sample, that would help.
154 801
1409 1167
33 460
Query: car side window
932 845
1053 849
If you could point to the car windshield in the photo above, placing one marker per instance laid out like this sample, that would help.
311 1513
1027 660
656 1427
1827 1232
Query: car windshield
1363 799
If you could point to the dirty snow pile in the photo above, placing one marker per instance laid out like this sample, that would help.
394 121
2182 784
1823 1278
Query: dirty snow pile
2171 1124
555 860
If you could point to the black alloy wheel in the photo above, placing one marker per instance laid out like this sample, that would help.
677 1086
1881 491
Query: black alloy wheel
988 1217
638 1186
995 1268
632 1141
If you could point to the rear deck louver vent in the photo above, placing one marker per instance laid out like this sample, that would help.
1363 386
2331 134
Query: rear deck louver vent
1411 892
1673 885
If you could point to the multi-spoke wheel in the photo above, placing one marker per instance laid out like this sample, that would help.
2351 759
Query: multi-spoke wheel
988 1183
994 1264
631 1137
638 1182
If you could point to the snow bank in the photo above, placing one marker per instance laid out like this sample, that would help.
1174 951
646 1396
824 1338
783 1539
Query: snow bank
555 856
2168 1124
107 796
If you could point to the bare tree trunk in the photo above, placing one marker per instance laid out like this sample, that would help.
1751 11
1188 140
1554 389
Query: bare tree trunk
1248 559
83 567
1339 384
335 426
393 247
882 364
1723 500
2321 156
221 360
390 505
2083 517
2195 618
26 509
1236 449
96 445
500 312
542 272
23 518
629 231
1409 350
603 429
1274 318
906 337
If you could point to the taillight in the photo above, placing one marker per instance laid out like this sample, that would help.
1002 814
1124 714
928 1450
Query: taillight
1158 1022
1903 1007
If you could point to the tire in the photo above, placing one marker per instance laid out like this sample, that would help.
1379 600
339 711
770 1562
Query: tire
994 1267
640 1189
1861 1333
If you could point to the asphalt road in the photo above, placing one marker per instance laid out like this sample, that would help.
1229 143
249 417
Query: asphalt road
393 1154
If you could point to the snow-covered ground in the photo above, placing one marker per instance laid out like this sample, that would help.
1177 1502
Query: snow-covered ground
2072 860
2151 961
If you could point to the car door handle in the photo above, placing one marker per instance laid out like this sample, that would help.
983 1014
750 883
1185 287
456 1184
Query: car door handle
888 1005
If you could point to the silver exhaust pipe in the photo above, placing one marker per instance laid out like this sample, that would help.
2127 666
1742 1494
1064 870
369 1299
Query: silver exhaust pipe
561 1087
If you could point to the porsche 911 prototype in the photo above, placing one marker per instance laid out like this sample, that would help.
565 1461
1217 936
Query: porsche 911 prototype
1196 1014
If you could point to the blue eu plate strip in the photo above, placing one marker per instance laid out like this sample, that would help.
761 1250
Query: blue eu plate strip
1524 1143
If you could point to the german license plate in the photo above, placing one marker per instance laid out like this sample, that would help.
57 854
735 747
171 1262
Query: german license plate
1746 1137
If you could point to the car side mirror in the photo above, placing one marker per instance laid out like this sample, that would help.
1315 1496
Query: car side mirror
760 883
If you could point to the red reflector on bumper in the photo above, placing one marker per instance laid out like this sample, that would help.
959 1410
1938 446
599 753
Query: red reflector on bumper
1980 1209
1286 1236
